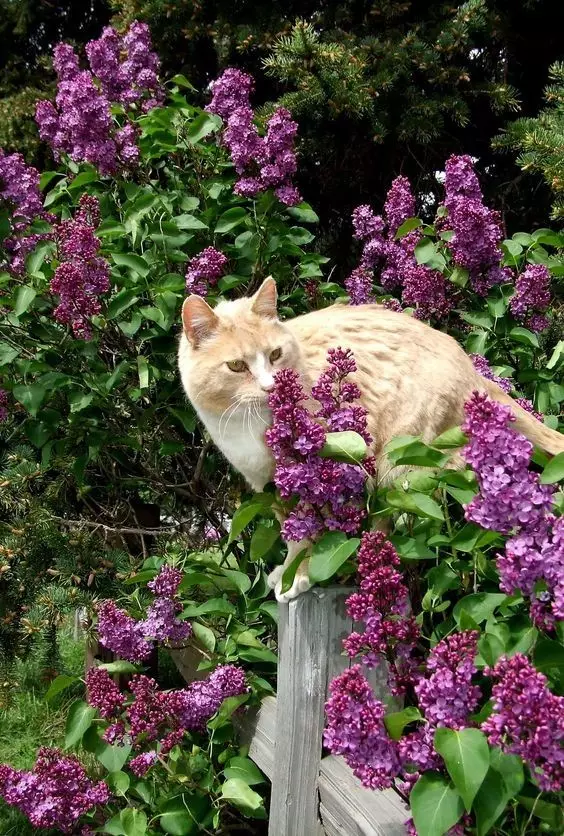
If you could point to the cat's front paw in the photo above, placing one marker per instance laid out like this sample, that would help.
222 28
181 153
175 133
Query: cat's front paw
300 585
275 577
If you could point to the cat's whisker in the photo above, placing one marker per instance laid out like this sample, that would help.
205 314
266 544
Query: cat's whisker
230 411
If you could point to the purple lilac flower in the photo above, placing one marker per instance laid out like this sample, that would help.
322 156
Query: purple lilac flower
427 291
510 495
475 244
399 205
212 534
267 162
355 729
103 693
366 224
532 296
201 700
392 305
359 287
330 493
204 270
417 753
19 248
139 71
166 583
446 695
383 606
3 405
82 275
161 623
483 367
121 634
528 720
141 764
528 406
55 794
150 712
19 186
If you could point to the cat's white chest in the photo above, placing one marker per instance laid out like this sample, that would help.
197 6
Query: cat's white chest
241 440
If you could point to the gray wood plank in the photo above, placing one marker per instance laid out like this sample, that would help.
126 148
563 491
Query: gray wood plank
304 646
348 809
257 729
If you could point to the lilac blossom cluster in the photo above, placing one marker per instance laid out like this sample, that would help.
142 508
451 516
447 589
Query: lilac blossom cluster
204 269
532 297
528 720
475 244
82 275
424 289
262 163
128 638
447 696
329 493
55 794
3 405
505 383
122 70
382 605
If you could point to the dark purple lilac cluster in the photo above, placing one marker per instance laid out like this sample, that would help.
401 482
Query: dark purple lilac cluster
128 638
512 501
204 269
528 720
122 70
267 162
82 275
3 405
55 794
103 693
446 695
505 383
423 289
477 230
382 605
532 297
330 494
19 188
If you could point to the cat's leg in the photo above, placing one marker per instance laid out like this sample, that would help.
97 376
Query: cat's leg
301 582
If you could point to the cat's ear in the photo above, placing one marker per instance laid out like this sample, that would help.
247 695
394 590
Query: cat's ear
198 319
265 299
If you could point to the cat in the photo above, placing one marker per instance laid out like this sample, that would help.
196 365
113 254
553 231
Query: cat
414 380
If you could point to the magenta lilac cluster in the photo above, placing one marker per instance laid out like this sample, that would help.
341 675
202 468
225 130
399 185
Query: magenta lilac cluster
329 493
528 720
446 695
262 162
204 269
80 123
423 289
55 794
477 230
505 383
82 275
511 500
19 188
532 297
130 639
382 605
3 405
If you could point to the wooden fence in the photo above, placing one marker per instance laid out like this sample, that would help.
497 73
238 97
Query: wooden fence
313 795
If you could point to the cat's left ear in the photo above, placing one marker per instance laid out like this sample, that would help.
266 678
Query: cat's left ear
265 299
198 319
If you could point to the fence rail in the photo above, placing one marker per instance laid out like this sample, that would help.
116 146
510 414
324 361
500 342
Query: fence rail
313 795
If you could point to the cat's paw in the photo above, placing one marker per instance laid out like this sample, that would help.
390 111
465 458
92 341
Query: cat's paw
300 585
275 577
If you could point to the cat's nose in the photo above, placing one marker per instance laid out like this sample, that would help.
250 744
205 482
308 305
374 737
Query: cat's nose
267 384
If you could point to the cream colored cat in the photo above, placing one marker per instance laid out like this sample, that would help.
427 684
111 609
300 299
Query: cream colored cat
414 380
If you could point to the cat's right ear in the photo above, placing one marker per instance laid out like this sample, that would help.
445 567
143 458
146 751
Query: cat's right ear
198 319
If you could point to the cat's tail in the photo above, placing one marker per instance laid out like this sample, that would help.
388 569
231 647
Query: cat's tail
541 436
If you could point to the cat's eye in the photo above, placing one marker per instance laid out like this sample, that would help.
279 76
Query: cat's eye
275 355
237 365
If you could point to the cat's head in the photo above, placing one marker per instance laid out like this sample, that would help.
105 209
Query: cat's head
230 354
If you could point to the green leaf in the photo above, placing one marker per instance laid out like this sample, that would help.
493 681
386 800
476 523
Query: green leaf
181 816
450 439
118 782
186 417
230 219
290 571
243 797
79 400
188 221
121 302
244 514
435 805
480 605
79 720
30 395
460 276
245 769
510 767
204 635
24 298
111 756
214 606
397 721
478 318
82 179
60 683
303 213
133 821
425 251
346 446
329 554
524 336
548 656
415 503
557 355
143 371
490 802
181 81
203 125
263 539
512 247
554 470
120 665
407 226
467 758
133 262
7 353
228 707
